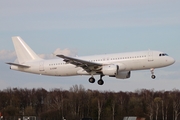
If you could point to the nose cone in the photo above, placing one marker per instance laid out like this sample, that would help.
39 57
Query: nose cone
170 61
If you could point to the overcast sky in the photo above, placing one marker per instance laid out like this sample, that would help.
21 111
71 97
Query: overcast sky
89 27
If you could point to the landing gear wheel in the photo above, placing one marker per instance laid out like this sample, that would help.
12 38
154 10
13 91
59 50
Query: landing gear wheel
91 80
152 72
100 82
153 76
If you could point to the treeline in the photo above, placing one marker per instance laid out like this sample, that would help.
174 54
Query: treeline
77 102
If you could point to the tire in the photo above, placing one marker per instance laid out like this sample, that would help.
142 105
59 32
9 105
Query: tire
100 82
91 80
153 76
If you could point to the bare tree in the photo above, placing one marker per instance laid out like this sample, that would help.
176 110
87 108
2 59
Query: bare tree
113 104
165 103
176 103
77 96
100 98
148 98
122 99
157 102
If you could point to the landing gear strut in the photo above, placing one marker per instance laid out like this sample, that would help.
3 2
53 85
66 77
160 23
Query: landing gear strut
100 81
152 72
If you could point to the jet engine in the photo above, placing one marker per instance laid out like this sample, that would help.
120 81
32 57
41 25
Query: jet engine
110 69
123 74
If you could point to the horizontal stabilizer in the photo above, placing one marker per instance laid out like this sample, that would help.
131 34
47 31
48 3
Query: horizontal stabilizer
18 65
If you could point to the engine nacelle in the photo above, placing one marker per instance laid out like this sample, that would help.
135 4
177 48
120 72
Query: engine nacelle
123 74
110 69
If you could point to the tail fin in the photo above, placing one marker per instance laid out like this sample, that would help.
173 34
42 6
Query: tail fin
23 51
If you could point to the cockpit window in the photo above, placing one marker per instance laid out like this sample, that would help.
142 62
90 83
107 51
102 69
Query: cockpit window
163 54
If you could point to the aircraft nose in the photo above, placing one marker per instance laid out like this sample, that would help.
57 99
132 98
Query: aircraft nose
171 61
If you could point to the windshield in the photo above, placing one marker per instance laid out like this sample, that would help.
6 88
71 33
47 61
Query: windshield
163 54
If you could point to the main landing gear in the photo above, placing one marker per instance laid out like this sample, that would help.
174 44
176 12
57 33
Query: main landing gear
91 79
152 72
100 81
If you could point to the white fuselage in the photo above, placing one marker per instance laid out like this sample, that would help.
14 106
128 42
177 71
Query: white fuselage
127 61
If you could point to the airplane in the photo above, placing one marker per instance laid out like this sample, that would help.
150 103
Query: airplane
118 65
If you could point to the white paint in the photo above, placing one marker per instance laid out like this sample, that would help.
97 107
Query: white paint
88 65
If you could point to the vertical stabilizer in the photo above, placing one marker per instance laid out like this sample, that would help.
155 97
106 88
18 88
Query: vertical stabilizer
23 51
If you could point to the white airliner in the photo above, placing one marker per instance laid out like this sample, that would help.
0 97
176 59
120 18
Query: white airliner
117 65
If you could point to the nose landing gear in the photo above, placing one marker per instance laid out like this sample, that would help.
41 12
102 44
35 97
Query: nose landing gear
153 76
152 72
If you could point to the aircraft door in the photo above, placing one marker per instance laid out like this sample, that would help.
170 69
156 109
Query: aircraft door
41 66
150 55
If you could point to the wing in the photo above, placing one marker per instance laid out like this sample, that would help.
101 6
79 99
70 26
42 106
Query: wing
86 65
